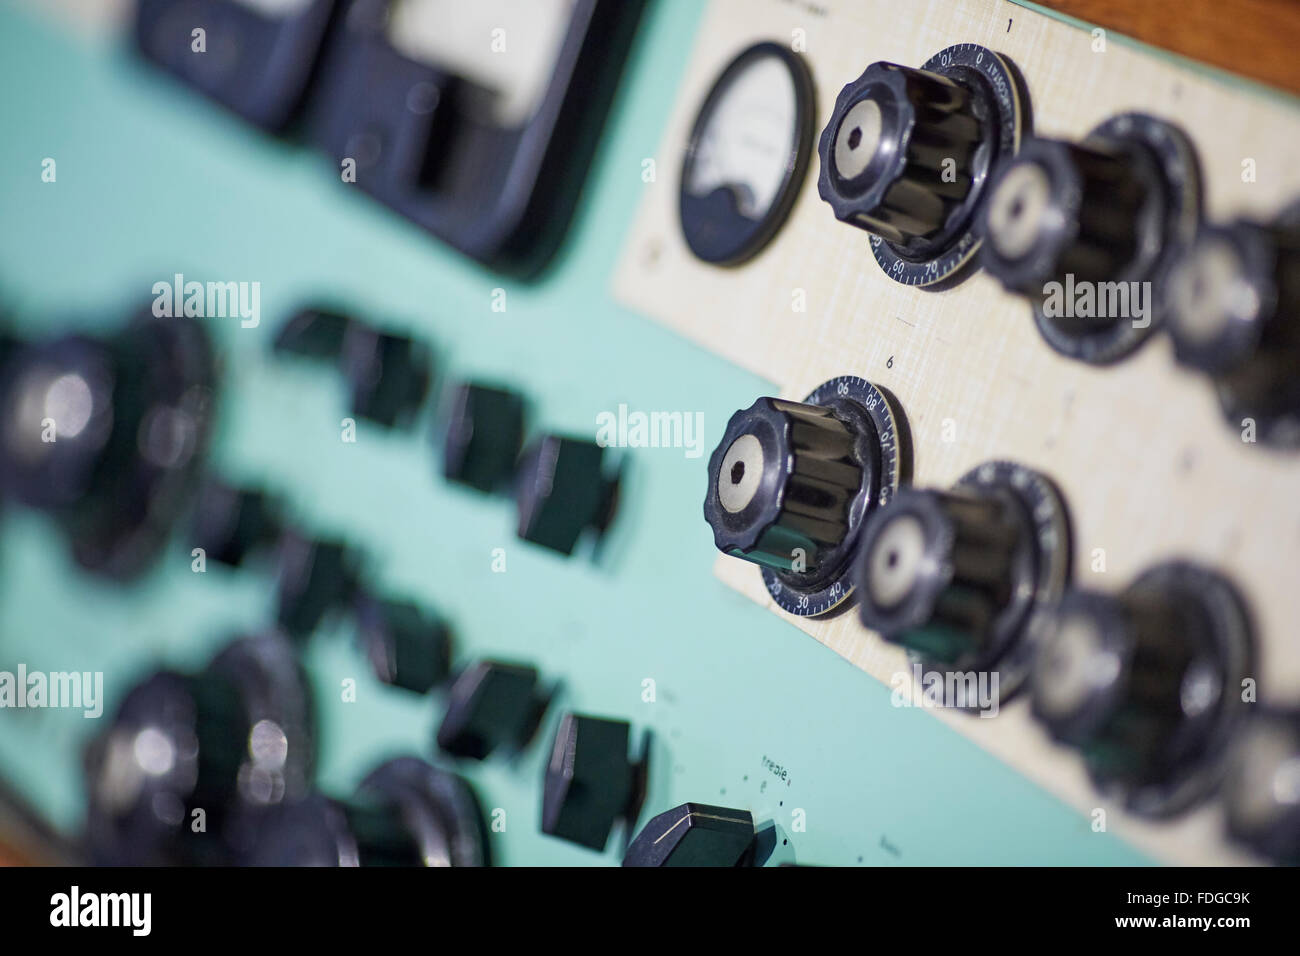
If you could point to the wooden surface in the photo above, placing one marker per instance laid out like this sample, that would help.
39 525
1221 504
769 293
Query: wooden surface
1255 38
1146 461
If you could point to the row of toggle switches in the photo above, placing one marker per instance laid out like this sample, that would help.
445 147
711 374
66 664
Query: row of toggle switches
216 767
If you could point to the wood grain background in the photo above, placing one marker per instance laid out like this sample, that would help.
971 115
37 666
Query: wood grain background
1255 38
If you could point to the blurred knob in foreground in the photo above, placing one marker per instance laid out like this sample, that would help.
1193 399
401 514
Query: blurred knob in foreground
1148 684
189 758
106 434
1235 315
405 813
1087 231
958 576
1261 795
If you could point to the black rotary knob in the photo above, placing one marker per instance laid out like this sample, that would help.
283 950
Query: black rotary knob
957 576
907 153
189 758
1086 231
695 834
1234 313
791 483
105 435
1147 684
387 374
405 813
1261 794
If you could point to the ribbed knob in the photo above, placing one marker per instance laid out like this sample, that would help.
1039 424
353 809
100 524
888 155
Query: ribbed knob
1061 209
1261 794
405 813
897 154
1111 678
1234 313
227 743
1147 683
940 570
105 434
782 483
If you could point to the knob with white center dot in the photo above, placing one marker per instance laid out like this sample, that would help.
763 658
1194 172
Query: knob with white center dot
958 576
1147 684
907 153
1087 231
1235 315
791 483
1261 795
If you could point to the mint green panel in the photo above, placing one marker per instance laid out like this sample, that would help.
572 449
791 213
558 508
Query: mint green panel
153 180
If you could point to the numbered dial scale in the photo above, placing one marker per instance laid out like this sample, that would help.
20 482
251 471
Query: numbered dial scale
908 152
958 576
791 483
747 154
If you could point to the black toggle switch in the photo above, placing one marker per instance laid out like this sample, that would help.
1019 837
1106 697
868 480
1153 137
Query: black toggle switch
406 646
958 576
695 834
107 434
1087 231
1147 684
316 576
484 433
313 333
405 813
1235 314
1261 792
591 783
230 522
492 705
387 375
563 489
189 758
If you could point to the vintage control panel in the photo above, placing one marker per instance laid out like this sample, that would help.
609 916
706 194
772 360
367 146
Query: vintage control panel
1052 500
381 379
